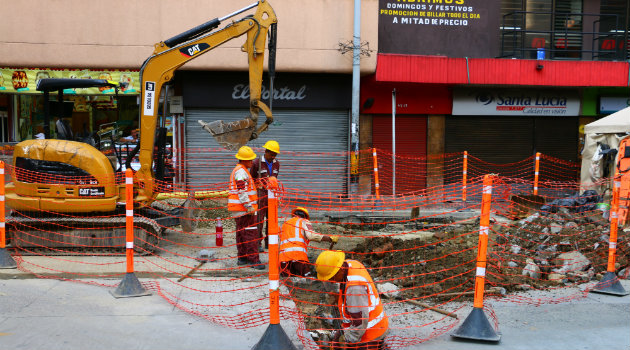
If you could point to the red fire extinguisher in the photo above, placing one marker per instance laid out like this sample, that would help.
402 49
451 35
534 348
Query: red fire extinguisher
219 233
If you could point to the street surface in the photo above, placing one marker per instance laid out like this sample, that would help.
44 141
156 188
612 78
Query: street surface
53 314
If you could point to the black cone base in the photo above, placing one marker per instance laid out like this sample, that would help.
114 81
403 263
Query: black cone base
274 339
130 287
6 260
477 327
610 285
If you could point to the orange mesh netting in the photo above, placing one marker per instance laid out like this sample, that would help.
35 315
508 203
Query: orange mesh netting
418 238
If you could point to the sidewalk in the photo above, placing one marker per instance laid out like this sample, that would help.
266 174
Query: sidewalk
52 314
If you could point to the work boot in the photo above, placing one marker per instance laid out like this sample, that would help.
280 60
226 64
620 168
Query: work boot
242 261
256 265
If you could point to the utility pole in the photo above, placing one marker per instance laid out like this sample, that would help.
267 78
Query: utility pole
356 81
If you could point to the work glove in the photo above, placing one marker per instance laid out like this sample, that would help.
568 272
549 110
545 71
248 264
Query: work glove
334 239
251 210
336 334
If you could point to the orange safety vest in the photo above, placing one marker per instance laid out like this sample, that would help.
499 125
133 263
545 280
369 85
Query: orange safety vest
293 241
378 322
234 203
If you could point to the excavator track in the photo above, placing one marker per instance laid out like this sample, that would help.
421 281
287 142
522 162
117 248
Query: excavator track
62 235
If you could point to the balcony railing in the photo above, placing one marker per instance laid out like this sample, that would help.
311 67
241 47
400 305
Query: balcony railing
564 36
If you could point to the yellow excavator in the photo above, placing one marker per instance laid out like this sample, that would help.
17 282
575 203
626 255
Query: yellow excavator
61 186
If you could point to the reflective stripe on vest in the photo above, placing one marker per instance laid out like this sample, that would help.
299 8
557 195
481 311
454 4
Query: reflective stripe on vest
293 241
377 320
234 203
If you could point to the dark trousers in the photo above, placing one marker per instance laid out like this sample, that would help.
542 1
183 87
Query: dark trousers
247 237
295 268
262 216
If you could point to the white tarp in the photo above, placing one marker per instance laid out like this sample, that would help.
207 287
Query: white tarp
610 131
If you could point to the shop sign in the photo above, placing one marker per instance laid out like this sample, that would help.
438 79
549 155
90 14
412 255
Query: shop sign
453 28
515 102
24 80
613 104
232 90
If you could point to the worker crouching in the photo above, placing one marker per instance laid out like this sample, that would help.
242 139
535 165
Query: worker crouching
365 323
295 236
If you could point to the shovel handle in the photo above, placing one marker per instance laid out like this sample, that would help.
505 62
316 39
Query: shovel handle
190 272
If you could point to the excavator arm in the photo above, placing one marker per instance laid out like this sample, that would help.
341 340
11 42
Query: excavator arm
171 54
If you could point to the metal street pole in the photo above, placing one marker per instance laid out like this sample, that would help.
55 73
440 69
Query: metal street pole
394 142
356 83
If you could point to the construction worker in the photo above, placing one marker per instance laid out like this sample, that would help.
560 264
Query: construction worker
243 203
263 168
294 237
364 320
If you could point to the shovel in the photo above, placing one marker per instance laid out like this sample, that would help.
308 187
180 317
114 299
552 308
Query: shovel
204 257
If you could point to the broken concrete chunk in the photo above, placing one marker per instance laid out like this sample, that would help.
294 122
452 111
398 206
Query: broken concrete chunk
390 290
557 277
555 228
571 261
531 269
571 224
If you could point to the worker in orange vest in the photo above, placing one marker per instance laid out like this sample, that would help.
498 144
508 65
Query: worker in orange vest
295 235
243 203
365 323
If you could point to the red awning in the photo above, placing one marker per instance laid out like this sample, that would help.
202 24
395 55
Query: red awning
499 71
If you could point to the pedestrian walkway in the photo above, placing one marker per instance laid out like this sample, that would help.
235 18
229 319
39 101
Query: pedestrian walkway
52 314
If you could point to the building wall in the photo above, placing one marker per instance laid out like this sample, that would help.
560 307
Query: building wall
121 33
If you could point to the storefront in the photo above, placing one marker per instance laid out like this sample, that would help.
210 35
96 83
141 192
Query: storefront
509 125
311 116
418 115
22 109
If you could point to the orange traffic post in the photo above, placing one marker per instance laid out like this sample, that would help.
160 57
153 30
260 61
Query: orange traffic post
274 337
536 172
376 185
476 326
130 286
6 260
610 283
464 176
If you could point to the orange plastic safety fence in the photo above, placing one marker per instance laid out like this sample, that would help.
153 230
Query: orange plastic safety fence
419 247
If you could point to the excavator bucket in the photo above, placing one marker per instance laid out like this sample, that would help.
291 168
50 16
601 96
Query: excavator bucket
231 135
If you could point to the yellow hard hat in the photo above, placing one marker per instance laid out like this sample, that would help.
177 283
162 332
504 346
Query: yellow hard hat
328 263
301 209
273 146
245 153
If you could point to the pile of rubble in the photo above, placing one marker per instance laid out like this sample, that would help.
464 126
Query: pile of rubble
558 248
540 251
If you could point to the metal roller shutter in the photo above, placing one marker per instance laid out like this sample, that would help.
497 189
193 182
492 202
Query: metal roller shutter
320 135
493 139
510 139
557 137
411 143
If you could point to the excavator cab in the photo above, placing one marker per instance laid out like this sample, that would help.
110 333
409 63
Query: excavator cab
104 139
63 109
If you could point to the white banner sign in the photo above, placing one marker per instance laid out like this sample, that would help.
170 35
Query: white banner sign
515 102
